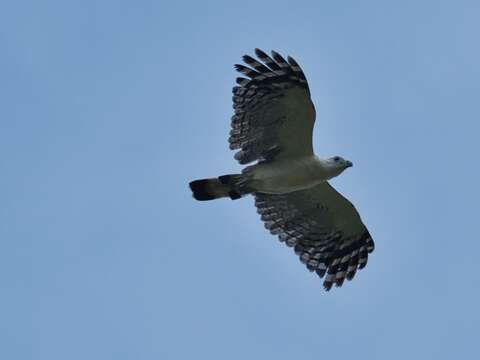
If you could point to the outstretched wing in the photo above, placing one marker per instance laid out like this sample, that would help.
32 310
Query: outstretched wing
324 228
274 115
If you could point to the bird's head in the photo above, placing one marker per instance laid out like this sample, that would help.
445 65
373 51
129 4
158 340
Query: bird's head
338 164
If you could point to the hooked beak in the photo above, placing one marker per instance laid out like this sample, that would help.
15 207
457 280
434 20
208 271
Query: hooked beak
349 164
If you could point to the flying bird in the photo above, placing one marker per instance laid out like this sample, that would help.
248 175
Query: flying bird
272 126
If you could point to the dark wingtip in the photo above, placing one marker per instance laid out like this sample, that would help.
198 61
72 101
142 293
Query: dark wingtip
292 61
248 59
327 285
260 52
321 272
277 56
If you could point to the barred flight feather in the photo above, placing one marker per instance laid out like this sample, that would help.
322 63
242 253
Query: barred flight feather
267 60
254 98
333 254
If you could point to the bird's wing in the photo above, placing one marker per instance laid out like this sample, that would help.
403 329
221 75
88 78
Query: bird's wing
274 115
324 228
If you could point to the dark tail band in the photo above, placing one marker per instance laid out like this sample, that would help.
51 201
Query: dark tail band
215 188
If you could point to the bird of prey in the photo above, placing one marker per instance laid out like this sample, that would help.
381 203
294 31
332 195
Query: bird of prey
272 126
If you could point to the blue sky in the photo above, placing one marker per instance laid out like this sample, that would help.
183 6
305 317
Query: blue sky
110 108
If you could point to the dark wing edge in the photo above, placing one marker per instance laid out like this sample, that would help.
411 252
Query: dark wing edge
266 80
323 249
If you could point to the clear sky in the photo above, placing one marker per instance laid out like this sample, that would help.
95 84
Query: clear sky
109 109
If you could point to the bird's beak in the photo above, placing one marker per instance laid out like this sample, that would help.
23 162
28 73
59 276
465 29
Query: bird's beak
349 164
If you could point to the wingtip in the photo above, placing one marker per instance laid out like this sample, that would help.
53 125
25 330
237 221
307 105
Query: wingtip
327 285
292 61
259 52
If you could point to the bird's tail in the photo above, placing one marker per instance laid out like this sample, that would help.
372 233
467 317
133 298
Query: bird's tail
231 186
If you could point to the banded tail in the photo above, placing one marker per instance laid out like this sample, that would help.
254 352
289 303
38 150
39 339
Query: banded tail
216 188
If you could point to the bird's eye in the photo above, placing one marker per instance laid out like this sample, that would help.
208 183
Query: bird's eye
336 158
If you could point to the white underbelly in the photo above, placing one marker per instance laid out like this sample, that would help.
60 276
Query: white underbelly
287 176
